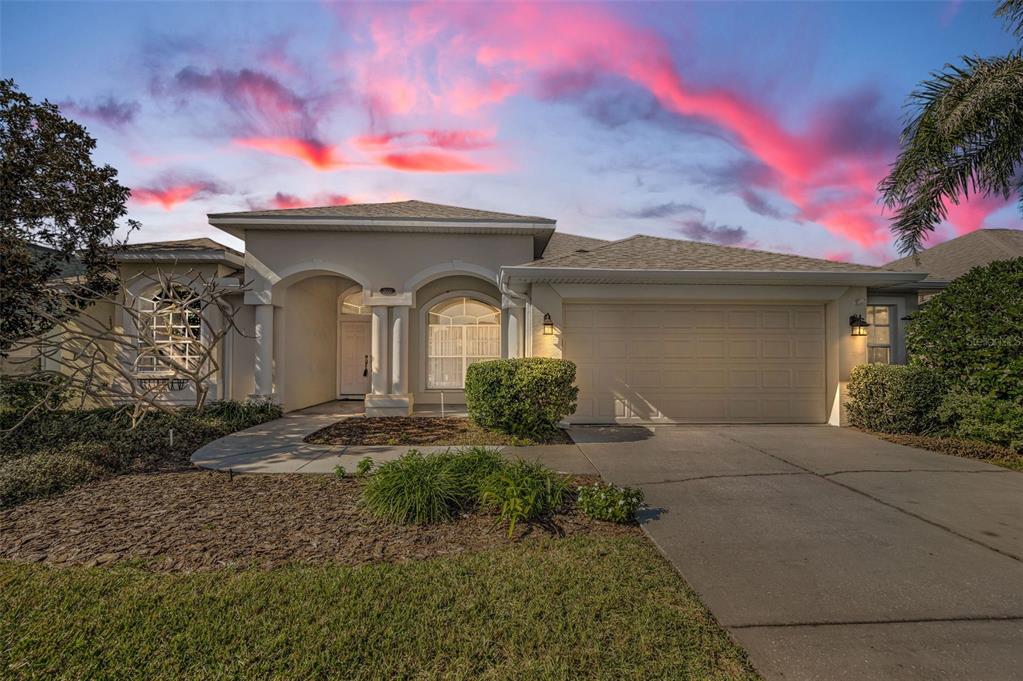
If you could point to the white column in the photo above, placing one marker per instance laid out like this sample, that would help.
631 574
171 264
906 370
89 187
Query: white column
513 331
399 350
379 382
264 317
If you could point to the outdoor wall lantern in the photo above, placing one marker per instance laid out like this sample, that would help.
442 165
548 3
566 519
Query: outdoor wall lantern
548 325
858 324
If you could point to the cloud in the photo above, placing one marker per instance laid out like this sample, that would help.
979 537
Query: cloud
173 188
113 113
662 210
283 200
708 231
316 154
439 139
430 162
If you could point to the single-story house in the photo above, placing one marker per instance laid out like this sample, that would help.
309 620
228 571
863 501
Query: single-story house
390 302
952 259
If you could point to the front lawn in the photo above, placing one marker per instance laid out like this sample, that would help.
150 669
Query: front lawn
589 606
420 430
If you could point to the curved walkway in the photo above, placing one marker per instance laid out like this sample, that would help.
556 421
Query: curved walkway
279 447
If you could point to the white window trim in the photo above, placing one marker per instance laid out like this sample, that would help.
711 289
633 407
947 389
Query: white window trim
423 333
898 327
142 299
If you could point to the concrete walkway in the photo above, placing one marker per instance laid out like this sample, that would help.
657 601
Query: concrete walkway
831 554
278 447
827 553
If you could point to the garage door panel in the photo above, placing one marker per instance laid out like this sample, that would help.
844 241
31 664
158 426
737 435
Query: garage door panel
698 363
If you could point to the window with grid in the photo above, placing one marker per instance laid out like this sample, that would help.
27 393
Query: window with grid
879 334
170 329
460 331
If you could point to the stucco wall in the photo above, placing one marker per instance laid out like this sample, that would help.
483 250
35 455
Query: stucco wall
306 359
379 260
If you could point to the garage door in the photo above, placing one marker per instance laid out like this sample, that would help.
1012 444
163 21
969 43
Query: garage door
697 363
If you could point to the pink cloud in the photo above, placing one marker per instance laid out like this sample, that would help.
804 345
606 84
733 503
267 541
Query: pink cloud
318 155
425 57
283 200
430 162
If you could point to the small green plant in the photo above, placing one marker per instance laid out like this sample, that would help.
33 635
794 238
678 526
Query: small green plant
364 467
339 471
603 501
471 466
415 488
522 490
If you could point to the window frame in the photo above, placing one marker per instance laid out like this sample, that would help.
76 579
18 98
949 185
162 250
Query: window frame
871 317
425 336
148 363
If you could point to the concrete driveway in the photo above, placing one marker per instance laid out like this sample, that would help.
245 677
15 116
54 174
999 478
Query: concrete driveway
830 554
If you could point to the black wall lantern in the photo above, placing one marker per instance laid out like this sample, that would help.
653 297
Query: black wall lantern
548 325
858 324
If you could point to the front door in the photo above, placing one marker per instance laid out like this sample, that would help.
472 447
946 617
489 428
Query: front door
354 359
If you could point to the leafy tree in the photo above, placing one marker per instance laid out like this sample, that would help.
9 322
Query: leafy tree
964 135
51 195
973 331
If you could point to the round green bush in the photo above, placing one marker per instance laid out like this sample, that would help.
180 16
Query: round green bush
524 397
973 331
889 398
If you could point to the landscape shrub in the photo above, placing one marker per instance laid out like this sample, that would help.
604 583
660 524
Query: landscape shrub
973 331
415 488
524 397
43 474
19 394
339 471
471 466
890 398
364 467
102 439
984 418
523 490
604 501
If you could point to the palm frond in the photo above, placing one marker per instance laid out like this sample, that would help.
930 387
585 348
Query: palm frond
1011 12
964 135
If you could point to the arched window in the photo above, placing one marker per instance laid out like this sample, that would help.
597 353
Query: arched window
170 328
460 331
352 304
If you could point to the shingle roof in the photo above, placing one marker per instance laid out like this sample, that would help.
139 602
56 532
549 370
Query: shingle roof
956 257
643 252
198 244
563 244
395 210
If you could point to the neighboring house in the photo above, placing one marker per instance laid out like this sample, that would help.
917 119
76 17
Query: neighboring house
954 258
390 302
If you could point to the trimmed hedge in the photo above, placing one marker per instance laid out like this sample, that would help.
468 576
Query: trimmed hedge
524 397
890 398
984 418
973 331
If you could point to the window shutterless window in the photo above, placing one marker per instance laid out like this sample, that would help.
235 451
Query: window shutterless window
459 331
879 333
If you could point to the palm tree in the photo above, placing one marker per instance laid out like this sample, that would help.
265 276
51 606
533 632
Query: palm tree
964 135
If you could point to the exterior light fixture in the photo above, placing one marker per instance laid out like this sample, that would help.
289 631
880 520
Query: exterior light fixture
387 291
858 325
548 325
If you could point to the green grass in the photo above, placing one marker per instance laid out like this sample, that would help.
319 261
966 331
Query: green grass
587 606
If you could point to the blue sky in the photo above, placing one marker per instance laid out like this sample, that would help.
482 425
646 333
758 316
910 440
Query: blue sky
758 124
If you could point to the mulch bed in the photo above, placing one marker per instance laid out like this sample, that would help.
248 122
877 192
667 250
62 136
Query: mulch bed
201 520
969 449
418 430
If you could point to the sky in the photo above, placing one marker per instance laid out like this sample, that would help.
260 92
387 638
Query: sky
757 124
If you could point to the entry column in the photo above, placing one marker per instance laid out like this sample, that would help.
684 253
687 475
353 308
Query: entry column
264 332
378 344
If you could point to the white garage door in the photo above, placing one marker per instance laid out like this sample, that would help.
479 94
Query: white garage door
697 363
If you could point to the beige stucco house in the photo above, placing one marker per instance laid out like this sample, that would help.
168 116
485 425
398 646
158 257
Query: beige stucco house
390 302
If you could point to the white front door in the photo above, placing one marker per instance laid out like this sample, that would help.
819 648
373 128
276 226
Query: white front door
354 358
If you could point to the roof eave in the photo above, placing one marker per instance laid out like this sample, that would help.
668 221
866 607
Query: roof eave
586 275
183 256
